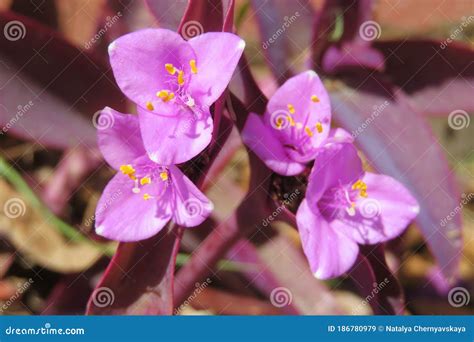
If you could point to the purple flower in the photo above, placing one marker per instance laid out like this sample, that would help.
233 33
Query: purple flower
140 199
345 206
174 82
295 125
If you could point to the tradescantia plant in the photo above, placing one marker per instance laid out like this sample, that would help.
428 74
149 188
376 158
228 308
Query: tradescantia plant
192 91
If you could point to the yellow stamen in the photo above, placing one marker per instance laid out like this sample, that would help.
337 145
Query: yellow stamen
170 97
128 170
279 123
146 197
314 98
192 64
145 180
170 68
319 127
163 94
291 108
361 186
180 77
292 122
308 131
149 106
164 176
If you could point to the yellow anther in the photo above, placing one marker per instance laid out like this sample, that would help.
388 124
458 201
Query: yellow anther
279 123
163 94
145 181
319 127
180 77
170 68
192 64
308 131
164 176
146 197
128 170
314 98
292 122
361 186
149 106
291 108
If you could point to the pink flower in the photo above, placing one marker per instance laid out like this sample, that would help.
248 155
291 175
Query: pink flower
345 206
140 199
174 82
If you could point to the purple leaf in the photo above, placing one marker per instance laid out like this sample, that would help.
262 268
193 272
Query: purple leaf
376 283
398 142
283 26
168 13
49 89
438 76
139 279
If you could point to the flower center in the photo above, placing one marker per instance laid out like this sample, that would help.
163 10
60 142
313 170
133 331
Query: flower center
341 200
179 96
146 177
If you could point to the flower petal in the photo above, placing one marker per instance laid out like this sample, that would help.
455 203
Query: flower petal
191 207
335 164
260 139
298 92
123 215
138 61
217 56
330 253
381 216
177 138
119 138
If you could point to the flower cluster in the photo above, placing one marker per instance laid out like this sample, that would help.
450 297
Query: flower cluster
173 83
344 206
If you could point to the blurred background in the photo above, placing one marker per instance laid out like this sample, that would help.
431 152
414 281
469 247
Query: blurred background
52 175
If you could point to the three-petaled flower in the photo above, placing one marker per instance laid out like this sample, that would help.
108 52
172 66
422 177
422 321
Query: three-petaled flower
140 199
174 82
295 125
345 206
